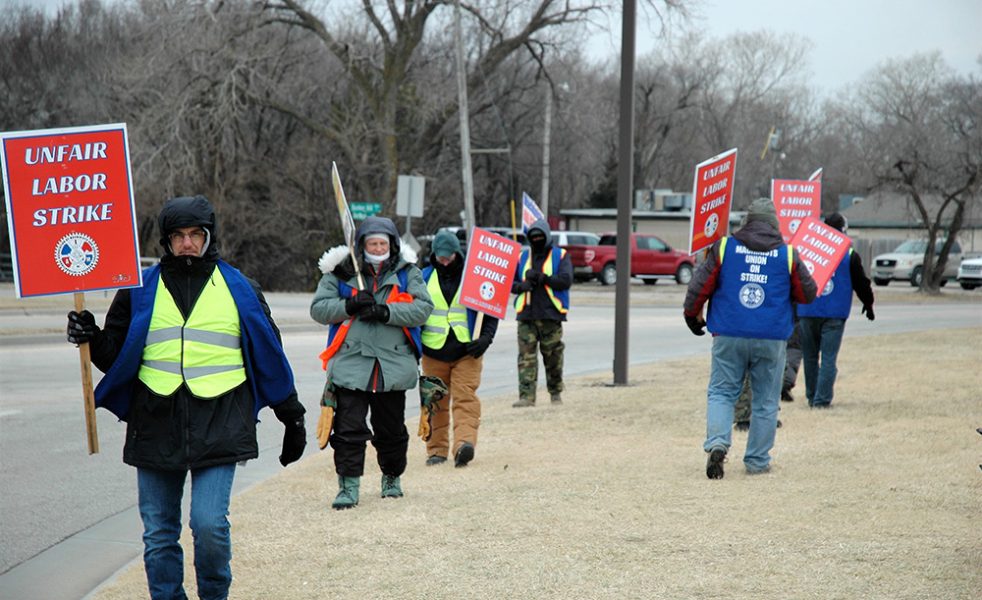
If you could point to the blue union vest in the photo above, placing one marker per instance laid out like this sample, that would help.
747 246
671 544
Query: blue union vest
835 301
753 295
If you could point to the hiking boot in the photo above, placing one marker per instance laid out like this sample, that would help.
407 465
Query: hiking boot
391 487
347 494
556 398
786 396
742 426
714 465
464 455
523 403
435 460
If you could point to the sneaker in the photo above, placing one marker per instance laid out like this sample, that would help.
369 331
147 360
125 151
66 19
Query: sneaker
523 403
742 426
556 398
786 396
761 471
435 460
464 455
391 488
714 465
820 406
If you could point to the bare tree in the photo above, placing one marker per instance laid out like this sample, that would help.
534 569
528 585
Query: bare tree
920 126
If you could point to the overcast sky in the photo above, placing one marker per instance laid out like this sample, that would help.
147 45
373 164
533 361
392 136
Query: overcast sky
850 37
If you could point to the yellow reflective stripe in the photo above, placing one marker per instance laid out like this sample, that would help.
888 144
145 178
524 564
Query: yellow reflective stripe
790 257
522 300
722 249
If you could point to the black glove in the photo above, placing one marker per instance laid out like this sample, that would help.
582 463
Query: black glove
478 347
359 302
524 286
696 325
535 277
375 312
81 327
294 441
868 311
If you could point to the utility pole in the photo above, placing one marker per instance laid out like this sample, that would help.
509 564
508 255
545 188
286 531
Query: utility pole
465 131
547 127
625 189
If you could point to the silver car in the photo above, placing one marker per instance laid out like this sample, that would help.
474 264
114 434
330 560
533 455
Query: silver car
906 262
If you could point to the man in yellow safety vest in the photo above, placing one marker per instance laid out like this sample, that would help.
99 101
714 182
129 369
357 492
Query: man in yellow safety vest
453 351
190 359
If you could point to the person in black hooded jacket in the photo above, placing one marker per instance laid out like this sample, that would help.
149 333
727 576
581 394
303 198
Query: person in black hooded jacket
190 358
541 287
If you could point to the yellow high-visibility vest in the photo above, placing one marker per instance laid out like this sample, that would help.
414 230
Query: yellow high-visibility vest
444 317
523 299
205 352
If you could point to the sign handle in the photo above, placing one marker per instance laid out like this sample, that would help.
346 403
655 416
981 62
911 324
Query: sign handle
478 324
88 396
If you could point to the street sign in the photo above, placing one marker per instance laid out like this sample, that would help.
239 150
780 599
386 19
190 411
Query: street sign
409 196
362 210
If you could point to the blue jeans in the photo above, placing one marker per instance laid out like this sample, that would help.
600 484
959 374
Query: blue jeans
160 495
733 357
820 342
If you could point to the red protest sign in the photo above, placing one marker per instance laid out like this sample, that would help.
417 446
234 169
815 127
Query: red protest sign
70 210
712 193
795 200
821 248
488 272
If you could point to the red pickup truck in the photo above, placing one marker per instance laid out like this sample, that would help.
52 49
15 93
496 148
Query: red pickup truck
651 259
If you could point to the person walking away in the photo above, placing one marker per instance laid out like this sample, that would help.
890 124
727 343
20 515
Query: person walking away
377 358
824 321
542 281
750 280
190 359
741 412
454 353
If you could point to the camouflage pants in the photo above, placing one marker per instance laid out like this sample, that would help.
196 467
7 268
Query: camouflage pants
547 337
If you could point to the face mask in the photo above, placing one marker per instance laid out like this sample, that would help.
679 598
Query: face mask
376 259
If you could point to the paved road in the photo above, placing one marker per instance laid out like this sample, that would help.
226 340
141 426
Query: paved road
67 519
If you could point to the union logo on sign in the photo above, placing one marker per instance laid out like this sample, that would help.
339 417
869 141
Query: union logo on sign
487 290
76 254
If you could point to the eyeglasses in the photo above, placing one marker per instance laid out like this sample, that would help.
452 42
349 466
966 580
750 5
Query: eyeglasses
196 236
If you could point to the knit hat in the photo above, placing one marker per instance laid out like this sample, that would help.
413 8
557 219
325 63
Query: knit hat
762 209
445 244
836 221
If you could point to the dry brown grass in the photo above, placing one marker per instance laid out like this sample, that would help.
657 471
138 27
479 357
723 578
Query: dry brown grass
606 497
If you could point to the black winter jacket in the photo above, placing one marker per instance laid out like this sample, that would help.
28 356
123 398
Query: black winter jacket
182 431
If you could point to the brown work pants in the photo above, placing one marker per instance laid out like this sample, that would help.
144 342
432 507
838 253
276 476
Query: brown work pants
462 378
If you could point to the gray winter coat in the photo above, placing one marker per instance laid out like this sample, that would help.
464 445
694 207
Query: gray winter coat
368 343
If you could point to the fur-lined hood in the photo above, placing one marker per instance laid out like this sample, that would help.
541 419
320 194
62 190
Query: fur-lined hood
336 255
